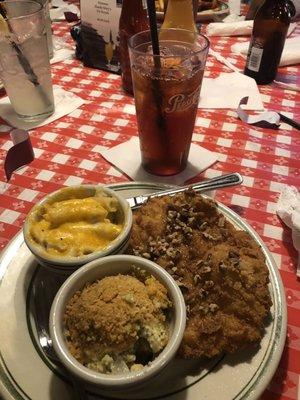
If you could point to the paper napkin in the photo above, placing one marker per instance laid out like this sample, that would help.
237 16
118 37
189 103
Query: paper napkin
223 60
288 209
237 28
233 18
60 7
290 54
227 90
288 80
127 157
61 50
266 119
65 103
234 7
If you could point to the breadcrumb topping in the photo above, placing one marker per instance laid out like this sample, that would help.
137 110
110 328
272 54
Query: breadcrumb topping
106 318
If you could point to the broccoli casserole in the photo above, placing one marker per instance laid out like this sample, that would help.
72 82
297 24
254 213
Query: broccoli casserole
118 324
75 222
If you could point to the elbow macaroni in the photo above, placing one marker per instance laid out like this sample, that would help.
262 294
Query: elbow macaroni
77 226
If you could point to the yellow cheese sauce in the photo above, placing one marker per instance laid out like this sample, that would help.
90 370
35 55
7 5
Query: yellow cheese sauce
75 227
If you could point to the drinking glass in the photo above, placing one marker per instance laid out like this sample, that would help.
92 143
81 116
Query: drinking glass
24 59
45 4
166 93
46 7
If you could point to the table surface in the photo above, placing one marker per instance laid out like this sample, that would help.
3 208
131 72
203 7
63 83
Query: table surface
67 152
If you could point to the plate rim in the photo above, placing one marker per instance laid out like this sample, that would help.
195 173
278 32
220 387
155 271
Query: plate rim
8 390
205 13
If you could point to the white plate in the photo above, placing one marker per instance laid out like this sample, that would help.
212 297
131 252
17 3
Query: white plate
216 15
25 373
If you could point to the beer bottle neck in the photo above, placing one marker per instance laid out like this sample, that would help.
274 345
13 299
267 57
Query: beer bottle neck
130 7
133 12
275 9
180 14
272 2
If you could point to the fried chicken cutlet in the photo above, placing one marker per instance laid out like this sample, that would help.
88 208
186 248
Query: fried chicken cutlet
221 271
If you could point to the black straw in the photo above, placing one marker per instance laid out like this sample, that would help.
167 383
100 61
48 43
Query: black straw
155 83
153 31
289 121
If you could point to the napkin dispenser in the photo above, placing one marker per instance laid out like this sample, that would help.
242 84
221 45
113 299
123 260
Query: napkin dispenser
97 36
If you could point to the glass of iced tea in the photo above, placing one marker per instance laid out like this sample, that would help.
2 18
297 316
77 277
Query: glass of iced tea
166 92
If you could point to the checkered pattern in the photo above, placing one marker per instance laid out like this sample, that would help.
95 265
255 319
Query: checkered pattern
67 152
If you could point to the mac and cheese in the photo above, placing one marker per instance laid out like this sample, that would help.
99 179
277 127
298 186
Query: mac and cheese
75 226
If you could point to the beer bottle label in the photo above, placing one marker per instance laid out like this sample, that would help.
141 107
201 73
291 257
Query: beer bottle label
255 58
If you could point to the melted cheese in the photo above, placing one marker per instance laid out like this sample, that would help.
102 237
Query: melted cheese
75 227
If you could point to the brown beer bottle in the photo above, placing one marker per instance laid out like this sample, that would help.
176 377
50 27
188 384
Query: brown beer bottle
133 19
254 6
268 36
180 14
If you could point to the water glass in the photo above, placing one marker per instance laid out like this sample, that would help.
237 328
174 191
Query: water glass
24 59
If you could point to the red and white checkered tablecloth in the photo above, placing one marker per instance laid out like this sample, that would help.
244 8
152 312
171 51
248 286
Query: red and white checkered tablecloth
67 152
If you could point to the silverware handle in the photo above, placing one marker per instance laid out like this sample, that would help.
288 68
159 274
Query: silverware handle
210 184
